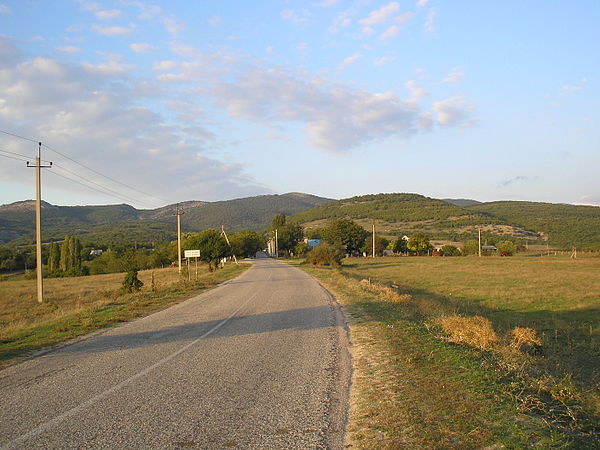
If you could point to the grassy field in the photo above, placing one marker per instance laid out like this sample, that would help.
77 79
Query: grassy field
79 305
472 352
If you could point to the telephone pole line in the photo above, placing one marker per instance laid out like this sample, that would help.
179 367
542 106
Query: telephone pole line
228 243
178 213
38 221
479 229
373 238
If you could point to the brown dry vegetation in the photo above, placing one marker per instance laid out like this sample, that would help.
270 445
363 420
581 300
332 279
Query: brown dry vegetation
79 305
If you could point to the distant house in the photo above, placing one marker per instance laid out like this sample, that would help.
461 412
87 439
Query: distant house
488 248
95 252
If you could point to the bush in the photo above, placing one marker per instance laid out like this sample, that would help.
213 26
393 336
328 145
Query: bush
450 250
325 254
131 283
506 248
524 339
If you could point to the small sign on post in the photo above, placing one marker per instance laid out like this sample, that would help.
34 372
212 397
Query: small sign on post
191 253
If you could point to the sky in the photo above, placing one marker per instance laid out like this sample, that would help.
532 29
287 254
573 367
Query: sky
152 103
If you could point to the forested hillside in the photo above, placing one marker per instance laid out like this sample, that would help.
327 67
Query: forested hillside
125 224
564 225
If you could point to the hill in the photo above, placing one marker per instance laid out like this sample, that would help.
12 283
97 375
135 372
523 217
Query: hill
397 214
461 201
124 223
562 225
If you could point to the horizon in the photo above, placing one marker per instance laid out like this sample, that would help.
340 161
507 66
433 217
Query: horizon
143 103
287 193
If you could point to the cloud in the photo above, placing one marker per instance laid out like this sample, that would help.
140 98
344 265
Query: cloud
416 92
454 112
455 75
383 60
381 15
517 180
111 31
328 3
142 48
88 6
215 21
588 200
4 10
108 14
96 118
430 21
161 66
350 60
342 20
296 17
173 27
390 32
69 49
422 3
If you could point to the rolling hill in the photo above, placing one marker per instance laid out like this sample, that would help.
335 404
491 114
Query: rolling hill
561 225
124 223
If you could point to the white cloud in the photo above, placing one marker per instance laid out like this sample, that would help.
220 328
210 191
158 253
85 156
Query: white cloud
296 17
342 20
108 14
390 32
381 15
111 31
416 93
328 3
89 6
383 60
161 66
69 49
455 75
174 27
454 112
215 21
350 60
588 200
142 48
422 3
430 21
4 10
94 117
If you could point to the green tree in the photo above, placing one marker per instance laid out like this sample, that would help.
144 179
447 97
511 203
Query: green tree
506 248
301 249
245 244
65 250
278 221
419 243
450 250
54 257
212 245
131 282
346 233
325 254
471 247
288 236
380 245
399 246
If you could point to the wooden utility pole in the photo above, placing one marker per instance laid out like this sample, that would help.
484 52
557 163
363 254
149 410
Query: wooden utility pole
38 221
373 238
228 243
276 245
178 213
479 229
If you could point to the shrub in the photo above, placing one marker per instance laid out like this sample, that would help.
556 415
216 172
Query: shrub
506 248
131 283
450 250
325 254
475 331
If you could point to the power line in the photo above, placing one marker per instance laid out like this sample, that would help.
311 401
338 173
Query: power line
26 158
88 168
12 157
18 136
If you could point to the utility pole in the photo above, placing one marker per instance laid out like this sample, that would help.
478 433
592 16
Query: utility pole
479 229
38 221
373 238
228 243
178 213
276 245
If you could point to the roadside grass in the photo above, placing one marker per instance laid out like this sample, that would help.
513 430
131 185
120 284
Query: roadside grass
79 305
417 385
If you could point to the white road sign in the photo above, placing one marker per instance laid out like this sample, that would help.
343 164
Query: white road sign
191 253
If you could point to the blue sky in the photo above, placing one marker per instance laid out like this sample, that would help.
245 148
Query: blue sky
186 100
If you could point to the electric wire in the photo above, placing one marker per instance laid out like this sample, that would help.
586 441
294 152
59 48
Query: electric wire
12 157
90 169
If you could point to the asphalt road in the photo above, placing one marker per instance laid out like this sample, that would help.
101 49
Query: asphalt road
259 362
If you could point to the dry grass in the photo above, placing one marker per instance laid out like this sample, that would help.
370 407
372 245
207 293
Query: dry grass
78 305
521 337
474 331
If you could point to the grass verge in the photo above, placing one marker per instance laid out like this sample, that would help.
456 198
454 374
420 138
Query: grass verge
77 306
441 360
